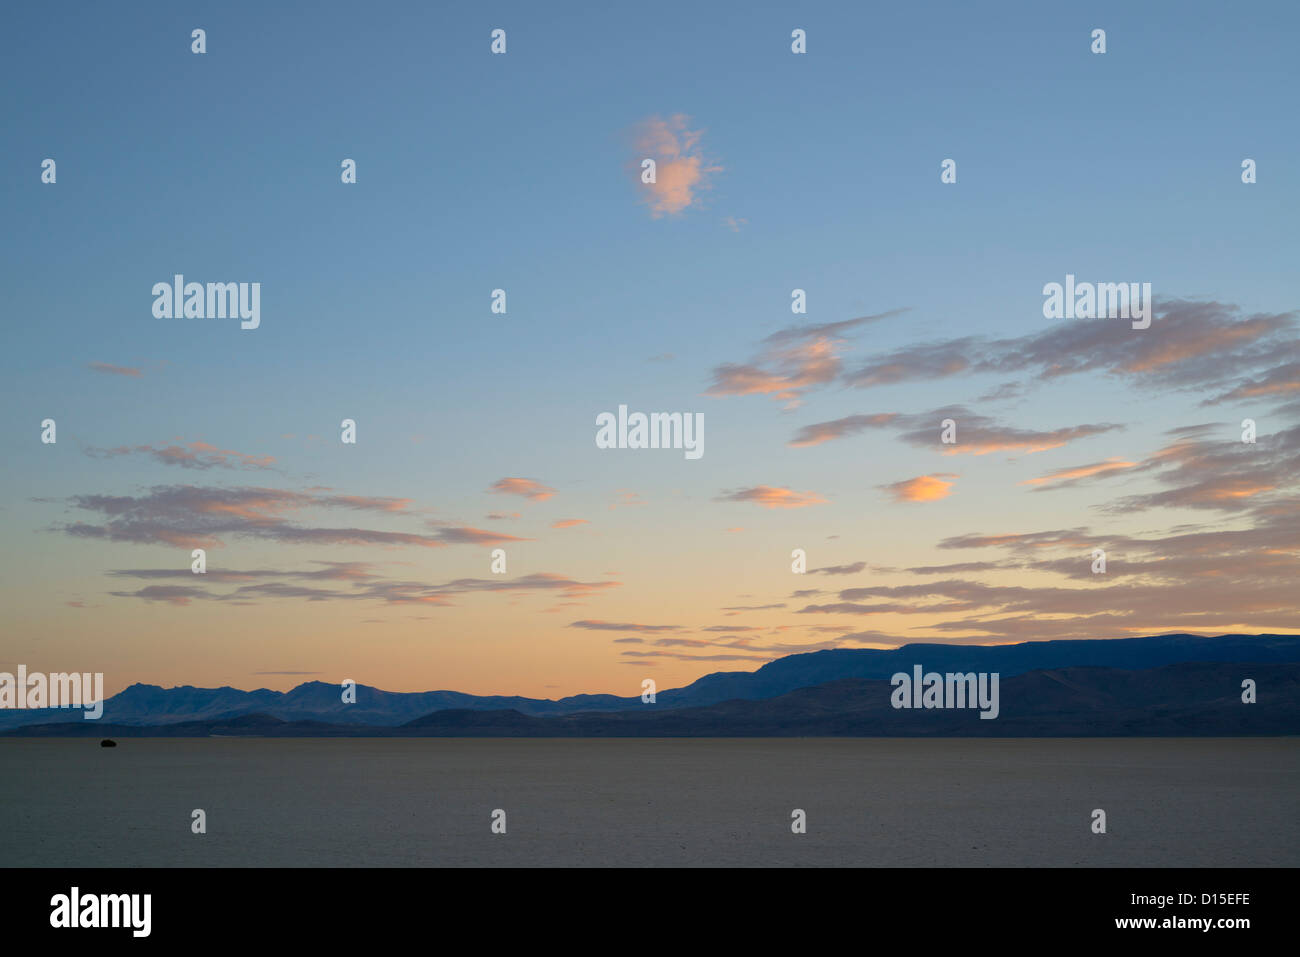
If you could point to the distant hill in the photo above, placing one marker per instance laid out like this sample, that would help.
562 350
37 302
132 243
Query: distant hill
142 704
1187 698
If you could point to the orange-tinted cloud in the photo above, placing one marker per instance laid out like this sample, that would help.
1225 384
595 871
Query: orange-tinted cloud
1060 478
464 535
793 361
770 496
923 488
569 522
681 170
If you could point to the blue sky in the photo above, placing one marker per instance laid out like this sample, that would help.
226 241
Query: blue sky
478 171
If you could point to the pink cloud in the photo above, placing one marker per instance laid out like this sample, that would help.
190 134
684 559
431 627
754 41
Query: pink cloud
529 488
681 171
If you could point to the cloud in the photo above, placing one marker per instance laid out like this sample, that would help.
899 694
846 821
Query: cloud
270 584
923 488
1189 345
820 432
464 535
1021 541
681 170
627 498
170 594
192 455
330 571
569 522
839 569
1220 473
115 370
368 503
1192 578
736 649
1073 475
792 361
1280 382
975 434
770 496
201 517
592 625
530 489
980 435
642 655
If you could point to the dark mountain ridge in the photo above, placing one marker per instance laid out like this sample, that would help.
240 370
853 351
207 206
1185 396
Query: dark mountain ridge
142 704
1182 699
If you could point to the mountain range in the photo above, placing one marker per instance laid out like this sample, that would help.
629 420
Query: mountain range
1167 684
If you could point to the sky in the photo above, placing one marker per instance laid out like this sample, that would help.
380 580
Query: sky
475 430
